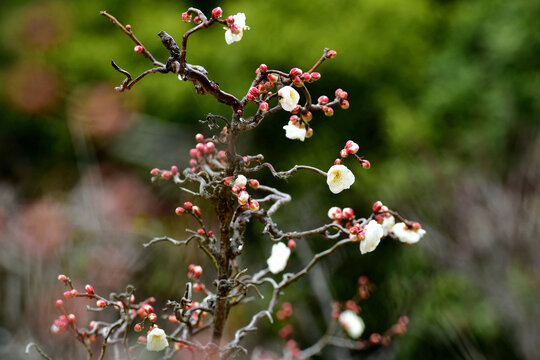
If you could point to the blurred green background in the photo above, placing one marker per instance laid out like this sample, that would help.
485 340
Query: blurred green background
444 103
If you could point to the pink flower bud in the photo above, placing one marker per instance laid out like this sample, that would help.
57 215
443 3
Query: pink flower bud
59 303
254 91
348 213
253 205
263 106
101 303
329 111
138 327
193 152
196 210
174 169
377 206
71 318
254 183
141 339
306 77
188 205
297 81
197 271
217 12
344 104
230 20
201 231
148 308
315 76
309 132
295 72
197 287
154 172
138 49
337 162
197 20
186 17
272 78
199 137
89 289
296 109
166 175
250 97
331 54
152 317
179 210
74 292
235 29
338 92
222 154
352 147
193 163
294 119
173 319
210 233
307 116
210 146
263 68
291 244
416 226
343 95
200 147
343 153
323 100
235 189
243 197
128 27
365 164
62 277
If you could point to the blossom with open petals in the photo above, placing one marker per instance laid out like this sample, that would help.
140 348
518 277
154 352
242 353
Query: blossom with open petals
373 234
293 132
156 340
352 323
278 260
236 30
407 235
339 178
288 98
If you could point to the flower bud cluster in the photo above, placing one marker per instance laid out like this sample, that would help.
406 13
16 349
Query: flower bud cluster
239 188
188 208
194 271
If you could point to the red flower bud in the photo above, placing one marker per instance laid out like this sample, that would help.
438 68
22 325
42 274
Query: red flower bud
138 49
89 289
188 205
331 54
152 317
166 175
323 100
295 72
101 303
377 206
199 137
128 27
196 210
186 17
272 78
263 68
197 20
291 244
137 327
154 172
217 12
230 20
315 76
62 277
365 164
263 106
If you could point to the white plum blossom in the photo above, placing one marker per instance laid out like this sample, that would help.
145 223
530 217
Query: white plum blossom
279 257
407 235
236 31
156 340
293 132
352 323
373 234
240 181
288 98
339 178
387 224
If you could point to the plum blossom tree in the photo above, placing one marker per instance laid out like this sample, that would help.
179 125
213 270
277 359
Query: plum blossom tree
227 179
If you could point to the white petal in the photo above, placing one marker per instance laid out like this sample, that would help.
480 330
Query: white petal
156 340
289 98
352 323
230 37
339 178
373 234
279 257
406 235
294 132
240 20
388 223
